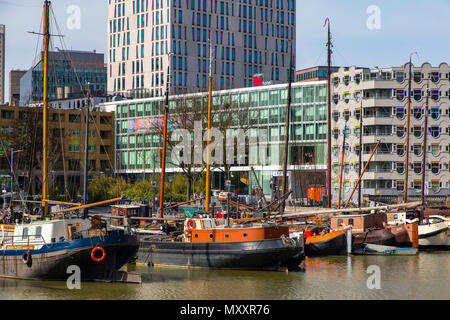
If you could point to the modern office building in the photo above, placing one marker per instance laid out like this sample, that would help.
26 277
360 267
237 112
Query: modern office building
68 71
21 129
383 95
247 38
14 86
314 73
2 63
258 111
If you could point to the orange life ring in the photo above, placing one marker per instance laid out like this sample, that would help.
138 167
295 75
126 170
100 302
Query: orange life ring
187 233
194 225
98 259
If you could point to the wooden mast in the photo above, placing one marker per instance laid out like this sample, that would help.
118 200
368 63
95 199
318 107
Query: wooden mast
361 131
329 118
208 141
45 102
286 137
408 121
342 165
163 156
425 145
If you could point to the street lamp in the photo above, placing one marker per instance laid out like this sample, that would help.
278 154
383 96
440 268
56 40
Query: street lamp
12 171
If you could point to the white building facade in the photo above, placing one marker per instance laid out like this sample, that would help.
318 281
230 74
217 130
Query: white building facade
384 94
248 37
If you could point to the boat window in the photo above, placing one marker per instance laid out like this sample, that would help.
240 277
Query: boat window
245 234
196 235
339 222
24 233
38 232
211 235
350 222
227 235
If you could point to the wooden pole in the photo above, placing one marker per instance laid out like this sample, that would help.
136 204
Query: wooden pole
360 176
45 102
425 145
408 125
329 119
342 166
361 132
163 156
286 135
88 205
208 141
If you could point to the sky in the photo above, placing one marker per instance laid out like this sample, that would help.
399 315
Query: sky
365 33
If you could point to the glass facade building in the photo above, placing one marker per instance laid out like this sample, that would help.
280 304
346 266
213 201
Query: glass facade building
68 72
259 111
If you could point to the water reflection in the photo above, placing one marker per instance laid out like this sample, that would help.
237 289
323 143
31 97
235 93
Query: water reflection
339 277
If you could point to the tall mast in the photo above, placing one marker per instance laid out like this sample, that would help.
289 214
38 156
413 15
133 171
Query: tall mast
86 154
329 118
45 98
408 120
342 165
163 156
286 137
425 144
208 141
361 131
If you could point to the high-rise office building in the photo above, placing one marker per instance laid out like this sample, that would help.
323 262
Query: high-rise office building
247 38
2 63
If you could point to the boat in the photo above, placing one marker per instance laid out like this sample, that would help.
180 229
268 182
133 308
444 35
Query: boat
49 246
223 244
373 229
377 249
319 242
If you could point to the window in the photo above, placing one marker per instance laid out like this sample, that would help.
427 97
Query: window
400 113
435 131
38 232
417 149
435 113
401 132
400 185
417 94
417 167
435 93
400 167
400 149
417 113
400 94
435 185
435 150
417 131
417 76
25 234
400 76
435 167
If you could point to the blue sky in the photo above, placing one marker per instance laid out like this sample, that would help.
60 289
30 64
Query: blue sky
405 26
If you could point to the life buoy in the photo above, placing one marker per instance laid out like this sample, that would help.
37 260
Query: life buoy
188 224
94 250
26 258
244 215
187 233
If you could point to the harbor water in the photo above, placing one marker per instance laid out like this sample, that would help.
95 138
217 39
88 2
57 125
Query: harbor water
424 276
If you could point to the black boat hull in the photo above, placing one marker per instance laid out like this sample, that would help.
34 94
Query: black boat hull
264 254
334 246
54 264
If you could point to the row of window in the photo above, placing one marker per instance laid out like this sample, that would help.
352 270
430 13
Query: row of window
400 76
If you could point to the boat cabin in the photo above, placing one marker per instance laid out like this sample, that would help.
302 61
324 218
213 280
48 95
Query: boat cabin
359 222
394 218
217 230
47 232
124 210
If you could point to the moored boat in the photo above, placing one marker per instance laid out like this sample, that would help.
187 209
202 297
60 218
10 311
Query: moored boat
218 243
46 249
327 243
376 249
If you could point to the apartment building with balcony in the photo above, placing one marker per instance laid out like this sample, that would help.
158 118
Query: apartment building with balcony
380 95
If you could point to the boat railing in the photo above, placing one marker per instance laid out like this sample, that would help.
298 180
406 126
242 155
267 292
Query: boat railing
37 240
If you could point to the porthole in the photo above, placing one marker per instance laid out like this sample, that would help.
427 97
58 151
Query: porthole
196 235
211 236
227 235
245 235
